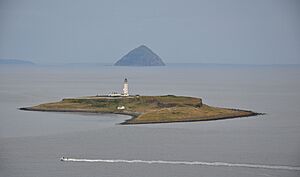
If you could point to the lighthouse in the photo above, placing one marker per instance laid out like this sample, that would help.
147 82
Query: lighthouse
125 88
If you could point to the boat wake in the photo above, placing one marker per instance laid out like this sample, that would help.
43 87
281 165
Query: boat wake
221 164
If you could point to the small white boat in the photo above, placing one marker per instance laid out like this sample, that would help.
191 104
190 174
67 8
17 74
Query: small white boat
63 159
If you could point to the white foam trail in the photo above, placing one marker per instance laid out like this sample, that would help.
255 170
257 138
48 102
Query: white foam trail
223 164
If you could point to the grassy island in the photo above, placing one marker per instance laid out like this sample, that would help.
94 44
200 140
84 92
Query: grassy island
145 109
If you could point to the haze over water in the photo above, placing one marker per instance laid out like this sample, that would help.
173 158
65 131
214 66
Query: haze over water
33 142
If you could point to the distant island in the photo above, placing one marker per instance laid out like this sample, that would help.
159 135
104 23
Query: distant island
15 62
140 56
145 109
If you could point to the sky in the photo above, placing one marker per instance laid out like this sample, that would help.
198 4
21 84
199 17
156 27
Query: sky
179 31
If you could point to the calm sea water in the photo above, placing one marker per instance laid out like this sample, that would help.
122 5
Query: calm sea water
31 143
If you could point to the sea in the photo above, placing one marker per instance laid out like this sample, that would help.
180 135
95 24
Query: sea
94 145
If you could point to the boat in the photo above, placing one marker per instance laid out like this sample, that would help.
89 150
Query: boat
63 159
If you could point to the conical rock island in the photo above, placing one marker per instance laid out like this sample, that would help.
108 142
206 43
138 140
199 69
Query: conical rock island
140 56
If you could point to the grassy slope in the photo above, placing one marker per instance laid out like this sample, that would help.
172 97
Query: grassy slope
182 114
147 109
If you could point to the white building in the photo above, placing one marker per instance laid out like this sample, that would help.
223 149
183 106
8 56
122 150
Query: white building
121 107
114 94
125 88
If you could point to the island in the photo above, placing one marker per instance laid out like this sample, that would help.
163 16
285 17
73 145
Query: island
140 56
145 109
15 62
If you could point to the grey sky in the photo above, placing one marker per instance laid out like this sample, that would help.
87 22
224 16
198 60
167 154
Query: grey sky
186 31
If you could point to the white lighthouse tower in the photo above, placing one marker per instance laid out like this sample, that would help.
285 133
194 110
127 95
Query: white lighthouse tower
125 88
